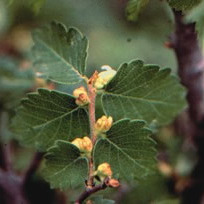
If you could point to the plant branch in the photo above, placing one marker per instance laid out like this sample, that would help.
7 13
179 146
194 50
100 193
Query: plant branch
5 144
92 121
191 71
91 107
91 191
34 164
11 184
191 65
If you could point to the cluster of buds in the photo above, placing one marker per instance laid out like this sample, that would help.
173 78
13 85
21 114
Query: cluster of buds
81 96
104 172
104 77
103 124
83 144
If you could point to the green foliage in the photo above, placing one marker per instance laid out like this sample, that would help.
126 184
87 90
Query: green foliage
101 200
47 116
134 7
128 148
183 4
50 120
13 82
65 168
145 92
196 15
60 54
169 201
37 5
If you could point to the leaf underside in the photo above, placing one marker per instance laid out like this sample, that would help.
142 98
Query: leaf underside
48 116
60 54
128 148
144 92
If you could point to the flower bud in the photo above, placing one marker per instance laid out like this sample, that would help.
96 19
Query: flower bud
104 170
84 144
104 77
114 183
81 96
103 124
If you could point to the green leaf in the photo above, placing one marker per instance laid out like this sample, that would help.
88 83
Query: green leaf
196 15
183 4
169 201
127 148
145 92
134 7
60 54
13 82
101 200
48 116
37 5
65 168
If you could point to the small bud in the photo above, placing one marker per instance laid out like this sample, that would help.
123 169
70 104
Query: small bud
165 169
40 82
84 144
81 96
89 202
104 77
114 183
104 170
104 123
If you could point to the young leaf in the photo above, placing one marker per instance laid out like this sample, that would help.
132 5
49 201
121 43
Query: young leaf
60 54
48 116
183 4
13 82
134 7
65 168
127 148
145 92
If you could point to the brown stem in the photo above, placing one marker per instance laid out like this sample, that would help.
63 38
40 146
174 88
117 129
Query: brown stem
92 121
14 186
191 72
34 164
92 118
6 156
11 184
91 191
5 145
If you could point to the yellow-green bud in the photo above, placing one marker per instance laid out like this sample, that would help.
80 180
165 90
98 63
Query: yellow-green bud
103 124
104 170
104 77
84 144
81 96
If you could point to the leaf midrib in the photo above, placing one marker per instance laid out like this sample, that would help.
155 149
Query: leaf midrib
66 166
65 114
59 57
130 158
139 99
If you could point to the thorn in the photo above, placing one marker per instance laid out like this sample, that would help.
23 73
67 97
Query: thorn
169 45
